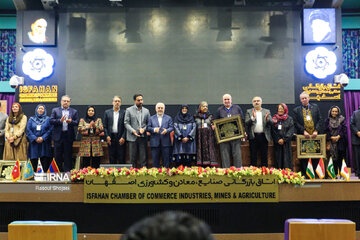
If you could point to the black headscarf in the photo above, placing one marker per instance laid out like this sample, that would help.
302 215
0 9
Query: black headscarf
183 118
88 119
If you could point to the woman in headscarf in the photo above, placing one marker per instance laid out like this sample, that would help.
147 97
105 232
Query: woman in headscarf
16 144
282 131
38 131
336 133
184 142
91 129
206 148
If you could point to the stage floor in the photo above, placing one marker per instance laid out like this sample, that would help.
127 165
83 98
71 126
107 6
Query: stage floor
29 200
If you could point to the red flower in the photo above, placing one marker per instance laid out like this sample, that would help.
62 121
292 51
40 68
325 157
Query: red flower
181 168
160 171
264 170
128 172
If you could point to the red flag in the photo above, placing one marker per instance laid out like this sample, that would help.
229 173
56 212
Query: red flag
15 174
53 168
320 170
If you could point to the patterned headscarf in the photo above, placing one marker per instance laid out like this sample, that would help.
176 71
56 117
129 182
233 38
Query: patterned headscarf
276 118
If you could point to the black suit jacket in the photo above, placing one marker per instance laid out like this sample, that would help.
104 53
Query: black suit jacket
299 118
56 115
108 123
355 127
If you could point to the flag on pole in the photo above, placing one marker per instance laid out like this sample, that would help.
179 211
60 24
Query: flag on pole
344 171
39 168
15 174
310 170
330 169
29 171
53 168
320 169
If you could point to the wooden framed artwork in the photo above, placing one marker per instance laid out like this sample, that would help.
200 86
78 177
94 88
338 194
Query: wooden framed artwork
228 129
311 147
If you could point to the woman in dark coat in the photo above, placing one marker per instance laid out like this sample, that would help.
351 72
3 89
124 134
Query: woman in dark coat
184 142
38 131
205 138
336 134
282 131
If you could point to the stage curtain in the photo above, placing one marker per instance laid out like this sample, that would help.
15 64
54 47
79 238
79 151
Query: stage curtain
10 97
351 49
352 103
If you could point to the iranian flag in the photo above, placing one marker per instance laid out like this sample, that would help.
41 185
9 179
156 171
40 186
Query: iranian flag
344 171
330 169
310 170
320 169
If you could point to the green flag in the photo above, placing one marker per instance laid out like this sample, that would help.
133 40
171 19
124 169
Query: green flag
330 169
310 170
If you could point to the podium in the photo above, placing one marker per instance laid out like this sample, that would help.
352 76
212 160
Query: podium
315 229
42 230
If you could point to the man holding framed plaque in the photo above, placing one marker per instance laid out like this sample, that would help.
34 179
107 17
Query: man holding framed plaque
308 122
233 146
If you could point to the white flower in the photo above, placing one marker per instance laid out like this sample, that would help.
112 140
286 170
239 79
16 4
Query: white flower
38 64
320 62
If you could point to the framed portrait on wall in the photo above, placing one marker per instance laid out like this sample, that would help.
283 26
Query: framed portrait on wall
319 26
3 107
39 28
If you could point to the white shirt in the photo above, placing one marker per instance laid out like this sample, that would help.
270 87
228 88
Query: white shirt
160 119
66 113
115 121
259 123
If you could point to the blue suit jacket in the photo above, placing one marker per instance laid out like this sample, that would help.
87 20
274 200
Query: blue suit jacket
156 139
56 115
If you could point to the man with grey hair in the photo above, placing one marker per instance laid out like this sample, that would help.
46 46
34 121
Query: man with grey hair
258 124
308 122
3 118
160 126
115 131
64 119
136 120
234 146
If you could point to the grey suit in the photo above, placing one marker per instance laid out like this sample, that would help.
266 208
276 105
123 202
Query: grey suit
3 118
134 120
258 141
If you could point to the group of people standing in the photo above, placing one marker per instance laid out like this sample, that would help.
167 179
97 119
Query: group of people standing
187 140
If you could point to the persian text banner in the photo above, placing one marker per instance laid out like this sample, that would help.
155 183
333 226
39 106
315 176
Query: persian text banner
180 189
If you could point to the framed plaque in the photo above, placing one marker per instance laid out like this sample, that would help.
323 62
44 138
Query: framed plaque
311 147
228 129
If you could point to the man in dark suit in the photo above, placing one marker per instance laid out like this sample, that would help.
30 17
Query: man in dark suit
160 126
64 119
355 140
115 131
308 122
